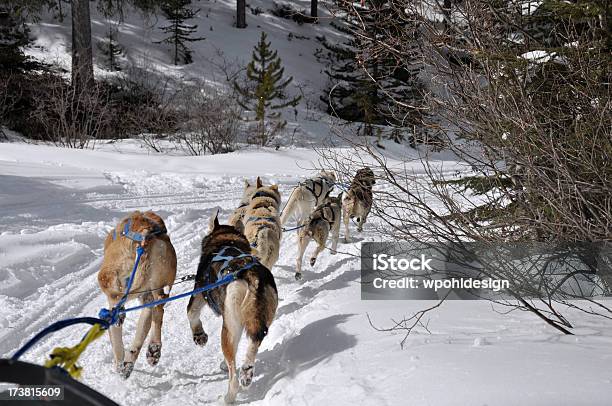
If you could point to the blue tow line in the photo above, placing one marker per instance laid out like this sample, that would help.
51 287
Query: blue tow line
108 318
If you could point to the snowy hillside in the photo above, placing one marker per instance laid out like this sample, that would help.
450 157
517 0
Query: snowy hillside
56 206
225 50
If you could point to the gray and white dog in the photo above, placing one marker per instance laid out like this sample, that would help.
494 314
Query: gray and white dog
307 195
323 220
358 200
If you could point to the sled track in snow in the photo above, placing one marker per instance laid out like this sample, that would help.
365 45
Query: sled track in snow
183 366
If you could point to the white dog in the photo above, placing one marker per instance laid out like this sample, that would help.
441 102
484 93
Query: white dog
307 195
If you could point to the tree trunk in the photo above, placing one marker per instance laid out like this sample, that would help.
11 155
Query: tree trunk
240 13
82 57
314 4
446 12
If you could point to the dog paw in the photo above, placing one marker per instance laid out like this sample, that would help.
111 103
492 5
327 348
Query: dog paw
229 399
125 370
298 276
200 338
312 261
246 376
153 354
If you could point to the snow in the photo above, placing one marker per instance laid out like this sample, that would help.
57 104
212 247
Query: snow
538 56
56 206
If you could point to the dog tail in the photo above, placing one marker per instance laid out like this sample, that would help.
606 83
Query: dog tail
289 207
266 251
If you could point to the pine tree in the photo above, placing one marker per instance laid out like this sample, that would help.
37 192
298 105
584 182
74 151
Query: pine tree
177 12
264 92
111 49
58 5
363 86
13 36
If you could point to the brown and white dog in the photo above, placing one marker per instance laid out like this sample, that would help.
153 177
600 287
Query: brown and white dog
358 200
262 224
152 281
237 217
323 220
307 195
248 303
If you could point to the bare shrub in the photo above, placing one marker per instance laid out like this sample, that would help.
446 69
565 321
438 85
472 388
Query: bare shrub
522 101
213 121
70 117
146 102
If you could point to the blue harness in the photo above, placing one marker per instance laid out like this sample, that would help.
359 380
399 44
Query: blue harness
227 260
134 236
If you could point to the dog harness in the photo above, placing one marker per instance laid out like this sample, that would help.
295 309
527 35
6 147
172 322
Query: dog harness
263 193
311 186
134 236
322 210
225 269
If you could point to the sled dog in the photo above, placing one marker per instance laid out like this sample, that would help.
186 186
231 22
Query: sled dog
307 195
248 303
154 277
358 200
261 223
325 218
237 217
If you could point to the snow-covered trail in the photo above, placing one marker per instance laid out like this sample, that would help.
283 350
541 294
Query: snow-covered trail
56 207
51 249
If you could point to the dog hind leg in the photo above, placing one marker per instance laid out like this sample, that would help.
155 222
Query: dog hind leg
303 241
115 334
155 344
231 333
193 314
347 237
142 330
320 239
335 234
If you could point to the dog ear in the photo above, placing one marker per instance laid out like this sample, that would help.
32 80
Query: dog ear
274 187
213 222
259 183
246 183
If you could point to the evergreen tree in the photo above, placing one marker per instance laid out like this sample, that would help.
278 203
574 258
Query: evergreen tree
58 5
177 12
364 86
264 92
13 36
111 49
